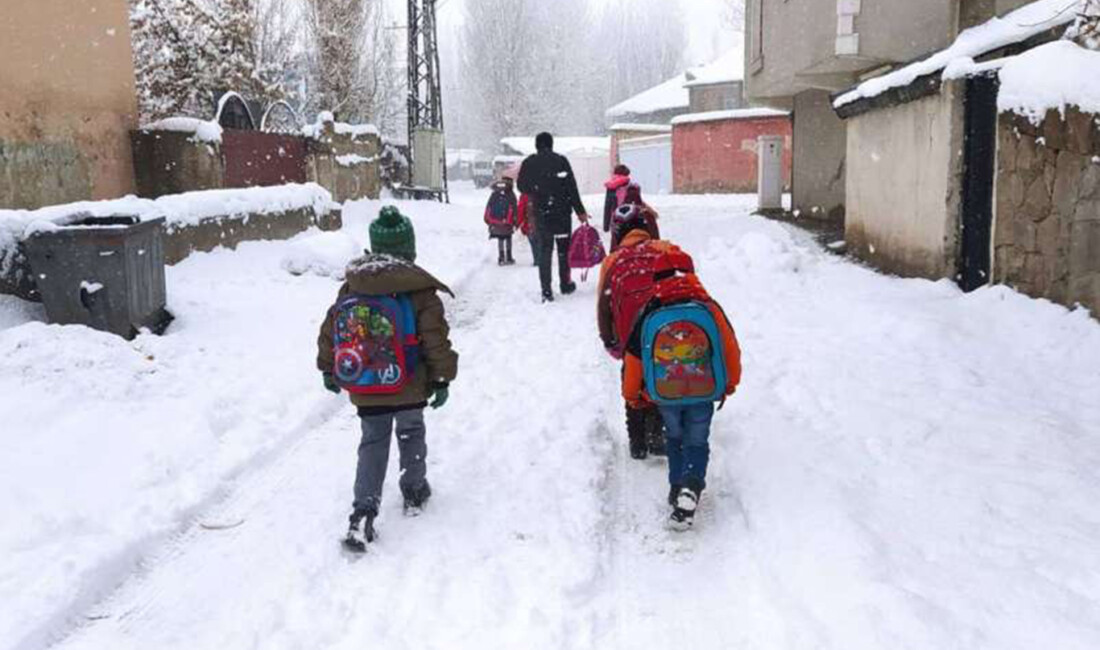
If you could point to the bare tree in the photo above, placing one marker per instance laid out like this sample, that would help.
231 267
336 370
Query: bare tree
733 14
337 29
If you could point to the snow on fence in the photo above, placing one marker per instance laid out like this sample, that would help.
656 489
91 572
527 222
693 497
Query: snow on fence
194 221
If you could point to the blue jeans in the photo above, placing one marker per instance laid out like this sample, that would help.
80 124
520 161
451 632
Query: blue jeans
687 436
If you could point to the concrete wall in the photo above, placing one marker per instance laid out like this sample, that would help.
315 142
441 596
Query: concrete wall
719 156
68 101
167 162
716 97
903 185
820 147
1046 238
799 43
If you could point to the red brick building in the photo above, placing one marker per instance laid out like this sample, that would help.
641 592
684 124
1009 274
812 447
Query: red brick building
716 152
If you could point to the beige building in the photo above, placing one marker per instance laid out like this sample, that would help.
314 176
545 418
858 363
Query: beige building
798 53
67 101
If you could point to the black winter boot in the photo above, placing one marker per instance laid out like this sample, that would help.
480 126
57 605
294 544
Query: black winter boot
687 502
635 431
568 288
360 530
674 494
416 499
655 432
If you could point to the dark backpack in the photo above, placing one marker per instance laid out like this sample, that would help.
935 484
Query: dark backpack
376 344
499 210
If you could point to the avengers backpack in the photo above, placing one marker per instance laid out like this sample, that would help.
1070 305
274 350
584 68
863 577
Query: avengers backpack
376 344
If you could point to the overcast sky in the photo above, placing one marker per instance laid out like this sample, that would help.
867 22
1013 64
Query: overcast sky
704 18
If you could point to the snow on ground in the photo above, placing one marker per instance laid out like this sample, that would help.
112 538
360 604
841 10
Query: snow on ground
905 466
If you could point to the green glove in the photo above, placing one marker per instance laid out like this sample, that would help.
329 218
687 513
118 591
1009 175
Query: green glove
330 383
439 396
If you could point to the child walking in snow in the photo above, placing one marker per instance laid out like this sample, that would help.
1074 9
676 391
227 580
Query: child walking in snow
501 216
386 343
678 349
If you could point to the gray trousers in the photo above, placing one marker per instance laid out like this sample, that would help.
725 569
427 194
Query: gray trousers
374 455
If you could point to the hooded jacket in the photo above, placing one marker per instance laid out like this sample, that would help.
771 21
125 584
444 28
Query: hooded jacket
611 199
383 275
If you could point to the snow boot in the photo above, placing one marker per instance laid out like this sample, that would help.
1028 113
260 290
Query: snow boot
655 432
568 288
360 530
416 499
635 431
547 296
687 502
674 494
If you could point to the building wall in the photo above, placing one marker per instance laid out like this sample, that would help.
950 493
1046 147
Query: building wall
718 97
798 42
1046 239
68 101
903 185
820 147
720 156
618 136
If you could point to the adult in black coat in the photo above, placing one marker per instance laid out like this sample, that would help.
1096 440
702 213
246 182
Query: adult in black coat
548 178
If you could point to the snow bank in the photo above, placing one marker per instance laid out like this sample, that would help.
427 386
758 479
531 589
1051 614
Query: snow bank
317 129
1015 27
201 130
1050 77
353 159
736 114
324 254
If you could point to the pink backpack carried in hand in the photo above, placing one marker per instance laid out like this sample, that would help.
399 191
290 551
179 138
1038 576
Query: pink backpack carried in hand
586 250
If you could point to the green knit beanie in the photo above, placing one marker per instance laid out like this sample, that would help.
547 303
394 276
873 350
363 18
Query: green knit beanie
392 234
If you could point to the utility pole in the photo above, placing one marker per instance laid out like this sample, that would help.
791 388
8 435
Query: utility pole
427 143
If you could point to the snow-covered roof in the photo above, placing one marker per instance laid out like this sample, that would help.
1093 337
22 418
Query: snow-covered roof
565 145
669 95
1017 26
736 114
1052 76
641 128
674 94
730 67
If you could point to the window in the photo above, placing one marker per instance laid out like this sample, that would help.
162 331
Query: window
756 35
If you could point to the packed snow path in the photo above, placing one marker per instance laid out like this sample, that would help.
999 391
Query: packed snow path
903 467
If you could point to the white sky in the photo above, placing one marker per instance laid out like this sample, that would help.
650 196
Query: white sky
704 19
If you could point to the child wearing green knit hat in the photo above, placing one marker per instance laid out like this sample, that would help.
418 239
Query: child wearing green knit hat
386 342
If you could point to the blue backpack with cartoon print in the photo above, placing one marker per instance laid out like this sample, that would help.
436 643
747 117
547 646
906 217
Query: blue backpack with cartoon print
683 360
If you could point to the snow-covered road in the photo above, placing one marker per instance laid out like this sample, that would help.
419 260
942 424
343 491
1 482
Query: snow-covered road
904 467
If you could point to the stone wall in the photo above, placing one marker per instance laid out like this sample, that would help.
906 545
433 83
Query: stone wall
228 232
67 101
1047 226
346 164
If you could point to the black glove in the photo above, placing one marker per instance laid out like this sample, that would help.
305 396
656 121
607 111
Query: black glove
330 383
440 392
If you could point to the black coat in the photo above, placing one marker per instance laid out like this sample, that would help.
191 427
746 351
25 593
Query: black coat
548 178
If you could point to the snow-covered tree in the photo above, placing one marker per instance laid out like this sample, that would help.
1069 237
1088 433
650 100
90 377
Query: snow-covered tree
1086 29
187 53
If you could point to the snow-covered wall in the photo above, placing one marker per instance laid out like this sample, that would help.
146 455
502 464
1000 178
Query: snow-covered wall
903 170
1046 238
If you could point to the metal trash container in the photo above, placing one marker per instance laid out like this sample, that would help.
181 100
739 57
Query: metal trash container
103 272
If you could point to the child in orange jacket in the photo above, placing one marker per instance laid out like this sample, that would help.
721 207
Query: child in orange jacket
687 425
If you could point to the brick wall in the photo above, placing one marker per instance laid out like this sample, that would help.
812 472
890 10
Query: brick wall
1047 230
719 156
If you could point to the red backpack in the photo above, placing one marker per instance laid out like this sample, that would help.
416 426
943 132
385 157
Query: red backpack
644 276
